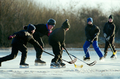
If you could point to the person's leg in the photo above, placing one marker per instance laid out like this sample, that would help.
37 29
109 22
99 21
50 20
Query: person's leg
13 55
97 49
85 47
24 51
56 50
113 47
39 52
106 48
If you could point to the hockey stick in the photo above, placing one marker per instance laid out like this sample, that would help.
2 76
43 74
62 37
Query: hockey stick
111 47
89 64
70 62
76 66
87 49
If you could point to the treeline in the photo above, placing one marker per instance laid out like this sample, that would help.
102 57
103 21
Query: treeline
17 13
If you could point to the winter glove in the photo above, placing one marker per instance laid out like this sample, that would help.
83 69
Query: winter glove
90 41
105 35
108 38
11 37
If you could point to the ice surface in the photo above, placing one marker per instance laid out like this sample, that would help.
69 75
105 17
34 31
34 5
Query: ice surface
107 69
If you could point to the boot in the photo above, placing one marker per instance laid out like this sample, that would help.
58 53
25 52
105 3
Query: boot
114 55
54 65
39 62
63 65
24 65
101 58
86 58
105 54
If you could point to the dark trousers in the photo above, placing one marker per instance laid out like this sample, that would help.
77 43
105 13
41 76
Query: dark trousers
37 37
14 53
57 50
111 41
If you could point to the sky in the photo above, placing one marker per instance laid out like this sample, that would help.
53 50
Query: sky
105 5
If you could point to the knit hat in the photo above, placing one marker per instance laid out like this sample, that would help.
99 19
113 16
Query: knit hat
66 24
30 27
89 19
111 16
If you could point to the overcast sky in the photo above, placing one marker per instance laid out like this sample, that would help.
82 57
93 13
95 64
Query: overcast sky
105 5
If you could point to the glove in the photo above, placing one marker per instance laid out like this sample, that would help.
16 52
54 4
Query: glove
105 35
11 37
108 38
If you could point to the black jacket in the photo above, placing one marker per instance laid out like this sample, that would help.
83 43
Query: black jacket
22 37
58 36
109 29
41 28
92 32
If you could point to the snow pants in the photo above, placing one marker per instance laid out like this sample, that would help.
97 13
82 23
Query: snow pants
111 41
14 53
95 46
37 37
57 50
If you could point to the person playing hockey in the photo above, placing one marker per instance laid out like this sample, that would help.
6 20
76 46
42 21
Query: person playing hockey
57 41
19 43
109 34
42 30
92 32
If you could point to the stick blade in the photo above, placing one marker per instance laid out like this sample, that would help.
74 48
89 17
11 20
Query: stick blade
93 63
76 66
73 61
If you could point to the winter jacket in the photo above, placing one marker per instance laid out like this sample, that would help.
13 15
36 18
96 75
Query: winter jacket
109 29
41 28
92 32
22 37
58 36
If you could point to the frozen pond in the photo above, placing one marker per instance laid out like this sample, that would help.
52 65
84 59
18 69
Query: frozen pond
107 69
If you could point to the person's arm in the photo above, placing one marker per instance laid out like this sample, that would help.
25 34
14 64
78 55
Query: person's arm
97 32
35 43
113 31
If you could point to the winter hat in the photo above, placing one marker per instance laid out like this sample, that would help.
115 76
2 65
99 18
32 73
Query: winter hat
111 16
30 27
89 19
66 24
51 22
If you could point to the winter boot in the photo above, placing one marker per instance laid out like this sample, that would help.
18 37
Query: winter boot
62 65
86 58
24 65
105 54
54 65
101 58
114 56
39 62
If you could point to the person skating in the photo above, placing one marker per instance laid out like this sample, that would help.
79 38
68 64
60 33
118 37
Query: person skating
19 43
57 41
42 30
109 34
92 32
